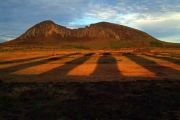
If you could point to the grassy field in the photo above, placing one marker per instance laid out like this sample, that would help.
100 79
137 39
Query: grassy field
86 66
86 85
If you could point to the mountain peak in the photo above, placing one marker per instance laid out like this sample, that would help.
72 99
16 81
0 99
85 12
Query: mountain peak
42 29
102 23
47 22
98 35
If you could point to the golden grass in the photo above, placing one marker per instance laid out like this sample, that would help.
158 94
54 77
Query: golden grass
130 68
167 73
2 66
86 68
42 68
163 62
123 68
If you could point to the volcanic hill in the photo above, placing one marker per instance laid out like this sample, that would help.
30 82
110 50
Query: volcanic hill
101 35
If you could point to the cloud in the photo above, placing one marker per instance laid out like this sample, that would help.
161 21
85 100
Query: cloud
101 12
148 6
165 27
159 18
5 38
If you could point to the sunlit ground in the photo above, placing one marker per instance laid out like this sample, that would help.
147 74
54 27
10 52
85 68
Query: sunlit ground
87 66
89 85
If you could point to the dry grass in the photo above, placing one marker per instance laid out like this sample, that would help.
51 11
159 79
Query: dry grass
130 68
39 69
85 69
101 66
108 85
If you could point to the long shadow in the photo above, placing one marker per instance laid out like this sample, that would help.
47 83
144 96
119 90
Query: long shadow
106 66
170 59
31 64
61 72
23 60
152 66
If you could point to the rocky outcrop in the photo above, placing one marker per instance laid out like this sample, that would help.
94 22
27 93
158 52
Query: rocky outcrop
101 35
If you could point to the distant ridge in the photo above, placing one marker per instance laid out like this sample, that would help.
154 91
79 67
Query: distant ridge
100 35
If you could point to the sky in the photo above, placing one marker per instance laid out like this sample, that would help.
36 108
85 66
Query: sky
159 18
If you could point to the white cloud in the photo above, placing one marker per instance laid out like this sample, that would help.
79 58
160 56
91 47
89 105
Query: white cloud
5 38
175 38
172 16
101 12
165 27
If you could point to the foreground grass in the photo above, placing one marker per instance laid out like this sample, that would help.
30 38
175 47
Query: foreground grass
140 100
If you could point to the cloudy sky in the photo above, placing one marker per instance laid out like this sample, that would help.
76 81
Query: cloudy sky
160 18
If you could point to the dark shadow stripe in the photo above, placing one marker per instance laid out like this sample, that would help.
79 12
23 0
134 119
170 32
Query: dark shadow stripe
170 59
22 60
31 64
61 72
102 69
153 66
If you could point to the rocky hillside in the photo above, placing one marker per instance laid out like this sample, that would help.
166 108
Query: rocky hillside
100 36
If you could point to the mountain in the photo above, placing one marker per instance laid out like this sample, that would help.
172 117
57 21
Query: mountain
96 36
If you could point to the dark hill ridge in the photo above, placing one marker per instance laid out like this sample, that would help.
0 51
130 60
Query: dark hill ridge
100 35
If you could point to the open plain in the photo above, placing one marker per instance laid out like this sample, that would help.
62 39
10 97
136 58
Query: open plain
89 66
90 84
